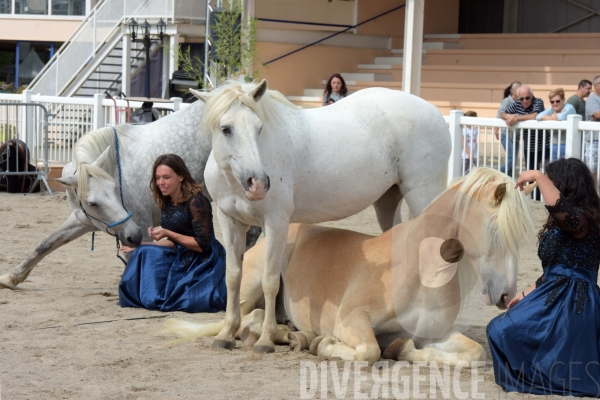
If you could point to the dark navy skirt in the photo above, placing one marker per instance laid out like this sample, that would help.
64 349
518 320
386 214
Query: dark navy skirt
549 343
160 278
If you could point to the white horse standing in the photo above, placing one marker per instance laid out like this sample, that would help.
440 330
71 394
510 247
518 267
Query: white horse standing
92 181
374 147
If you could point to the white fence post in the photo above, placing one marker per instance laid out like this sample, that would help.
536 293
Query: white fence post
454 163
27 119
176 103
573 139
99 117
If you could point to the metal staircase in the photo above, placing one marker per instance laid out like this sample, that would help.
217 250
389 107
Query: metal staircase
88 63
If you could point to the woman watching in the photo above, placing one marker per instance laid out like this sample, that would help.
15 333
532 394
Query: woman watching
335 90
559 110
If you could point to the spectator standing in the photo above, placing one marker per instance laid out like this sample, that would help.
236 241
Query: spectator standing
536 142
508 142
592 113
469 153
335 90
583 90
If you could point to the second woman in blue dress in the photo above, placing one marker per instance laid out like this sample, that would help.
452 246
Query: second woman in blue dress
184 268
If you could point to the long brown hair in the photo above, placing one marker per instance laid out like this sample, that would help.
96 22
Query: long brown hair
575 182
189 187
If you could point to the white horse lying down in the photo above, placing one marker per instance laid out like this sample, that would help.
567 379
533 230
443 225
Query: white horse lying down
92 182
272 165
401 291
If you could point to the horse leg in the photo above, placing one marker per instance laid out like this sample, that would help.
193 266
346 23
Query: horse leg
453 349
419 191
70 229
251 328
275 238
301 340
357 341
234 234
385 208
252 236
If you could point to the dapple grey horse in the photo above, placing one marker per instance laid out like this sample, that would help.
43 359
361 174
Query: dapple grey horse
93 184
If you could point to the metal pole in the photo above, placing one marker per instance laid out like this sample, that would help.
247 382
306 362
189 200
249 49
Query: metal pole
206 42
147 48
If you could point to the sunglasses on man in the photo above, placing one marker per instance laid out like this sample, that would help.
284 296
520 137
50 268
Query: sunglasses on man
522 99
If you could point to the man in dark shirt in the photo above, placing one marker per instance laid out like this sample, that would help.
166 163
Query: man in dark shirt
536 142
583 90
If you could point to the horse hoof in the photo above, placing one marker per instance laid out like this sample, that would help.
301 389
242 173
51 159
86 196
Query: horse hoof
314 345
6 282
263 349
300 340
396 348
223 344
249 337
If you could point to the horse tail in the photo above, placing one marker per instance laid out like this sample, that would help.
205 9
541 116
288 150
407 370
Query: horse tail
190 331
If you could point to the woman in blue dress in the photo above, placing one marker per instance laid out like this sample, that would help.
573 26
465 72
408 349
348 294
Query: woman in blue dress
183 269
548 342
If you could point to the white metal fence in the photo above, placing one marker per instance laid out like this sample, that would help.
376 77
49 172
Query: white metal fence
529 144
70 118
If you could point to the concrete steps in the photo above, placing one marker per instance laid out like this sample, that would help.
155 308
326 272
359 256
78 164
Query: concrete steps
533 41
510 58
559 76
470 72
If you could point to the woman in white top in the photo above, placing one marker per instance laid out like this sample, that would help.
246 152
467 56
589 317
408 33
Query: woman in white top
335 90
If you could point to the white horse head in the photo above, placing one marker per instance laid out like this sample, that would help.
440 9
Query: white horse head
236 121
496 232
98 197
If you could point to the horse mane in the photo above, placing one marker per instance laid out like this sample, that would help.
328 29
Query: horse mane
513 214
234 94
89 148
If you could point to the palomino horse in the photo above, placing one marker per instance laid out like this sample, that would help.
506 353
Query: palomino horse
93 189
373 147
401 291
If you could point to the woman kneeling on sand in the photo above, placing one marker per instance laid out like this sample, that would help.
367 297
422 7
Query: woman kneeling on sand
184 268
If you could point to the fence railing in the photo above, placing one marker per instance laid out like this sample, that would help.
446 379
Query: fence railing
70 118
527 145
489 142
23 146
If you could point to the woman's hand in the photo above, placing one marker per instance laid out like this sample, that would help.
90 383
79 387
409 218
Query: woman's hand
158 233
515 300
527 176
126 249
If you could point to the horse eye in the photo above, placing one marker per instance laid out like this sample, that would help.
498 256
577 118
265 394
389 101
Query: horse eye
226 130
91 204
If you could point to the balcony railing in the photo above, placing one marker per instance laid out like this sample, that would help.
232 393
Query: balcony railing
102 23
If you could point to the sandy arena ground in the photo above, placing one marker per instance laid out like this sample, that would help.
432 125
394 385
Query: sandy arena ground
63 336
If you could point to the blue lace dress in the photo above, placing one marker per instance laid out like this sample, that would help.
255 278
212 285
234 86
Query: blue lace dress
549 343
178 279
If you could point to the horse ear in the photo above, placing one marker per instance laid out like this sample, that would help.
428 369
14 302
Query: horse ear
102 158
258 92
69 181
203 96
500 192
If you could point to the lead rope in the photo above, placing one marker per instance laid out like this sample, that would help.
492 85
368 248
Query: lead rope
118 155
120 189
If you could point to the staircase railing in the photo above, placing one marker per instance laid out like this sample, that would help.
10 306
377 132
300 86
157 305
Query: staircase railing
99 26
